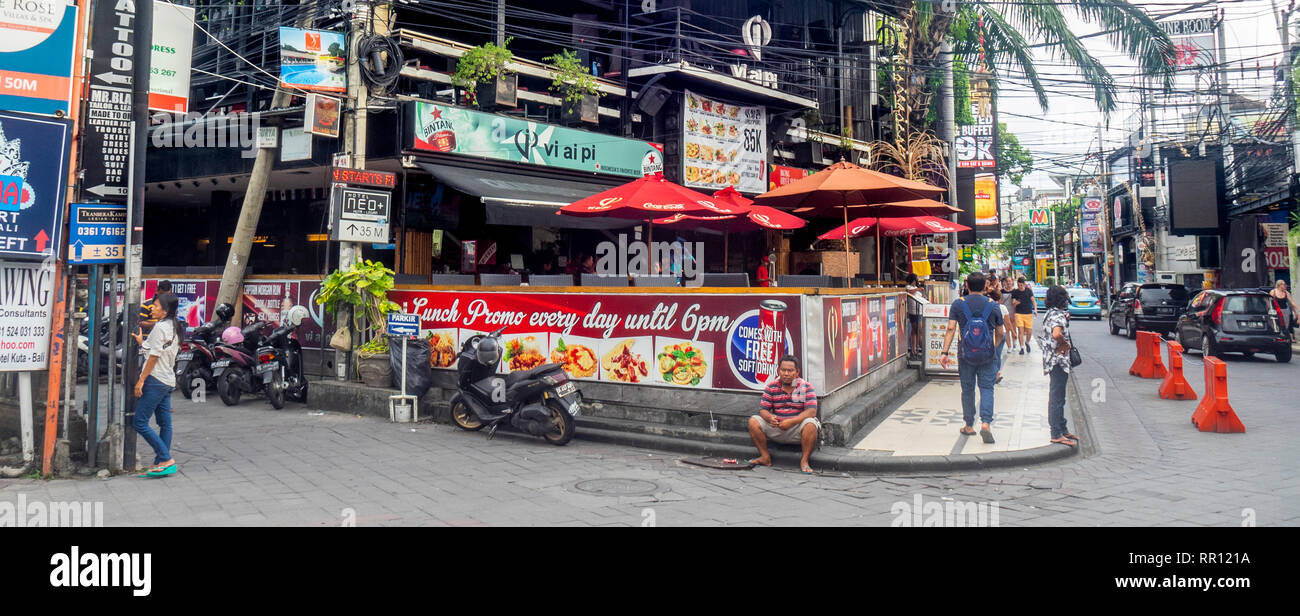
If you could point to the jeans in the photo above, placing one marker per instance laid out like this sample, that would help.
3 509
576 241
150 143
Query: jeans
156 399
985 375
998 352
1056 401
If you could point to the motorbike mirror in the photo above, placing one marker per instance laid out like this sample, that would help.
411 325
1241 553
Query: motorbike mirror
497 332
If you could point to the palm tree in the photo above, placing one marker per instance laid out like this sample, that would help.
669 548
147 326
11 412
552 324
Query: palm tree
1010 31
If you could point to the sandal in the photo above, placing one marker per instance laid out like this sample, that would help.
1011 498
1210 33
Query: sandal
968 431
1061 440
1071 436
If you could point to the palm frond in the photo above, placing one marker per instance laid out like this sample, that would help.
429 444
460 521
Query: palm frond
1006 45
1134 32
1043 21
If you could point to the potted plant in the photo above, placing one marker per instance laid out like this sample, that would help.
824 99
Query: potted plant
481 71
363 290
576 88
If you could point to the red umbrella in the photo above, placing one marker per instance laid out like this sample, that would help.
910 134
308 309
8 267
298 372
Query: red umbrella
895 227
648 198
754 218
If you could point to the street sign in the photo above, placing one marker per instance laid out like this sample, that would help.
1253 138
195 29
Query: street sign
97 233
1040 218
169 64
106 140
362 215
402 324
33 175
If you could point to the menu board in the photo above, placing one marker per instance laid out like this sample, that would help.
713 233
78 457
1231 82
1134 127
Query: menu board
724 145
936 327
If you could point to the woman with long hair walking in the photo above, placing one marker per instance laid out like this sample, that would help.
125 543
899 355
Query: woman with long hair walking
1055 345
153 389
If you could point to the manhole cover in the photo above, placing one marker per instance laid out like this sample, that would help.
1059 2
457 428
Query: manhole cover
617 487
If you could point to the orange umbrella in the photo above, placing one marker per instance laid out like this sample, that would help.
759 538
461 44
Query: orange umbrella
845 185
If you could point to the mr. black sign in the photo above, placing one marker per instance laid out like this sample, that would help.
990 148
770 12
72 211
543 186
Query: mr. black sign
107 139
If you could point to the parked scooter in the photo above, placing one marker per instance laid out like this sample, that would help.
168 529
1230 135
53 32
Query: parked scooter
103 348
279 362
194 363
237 357
542 401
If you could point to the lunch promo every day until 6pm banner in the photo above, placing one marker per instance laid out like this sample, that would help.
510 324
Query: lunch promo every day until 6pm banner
690 341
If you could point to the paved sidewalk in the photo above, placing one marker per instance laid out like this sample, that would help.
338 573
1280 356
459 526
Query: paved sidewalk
927 423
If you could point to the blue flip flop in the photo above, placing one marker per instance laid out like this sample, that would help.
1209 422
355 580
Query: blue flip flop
169 470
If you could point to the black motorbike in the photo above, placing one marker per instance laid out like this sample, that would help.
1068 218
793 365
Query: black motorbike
233 370
279 362
541 402
194 362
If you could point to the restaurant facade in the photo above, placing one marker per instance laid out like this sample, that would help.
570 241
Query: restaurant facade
711 94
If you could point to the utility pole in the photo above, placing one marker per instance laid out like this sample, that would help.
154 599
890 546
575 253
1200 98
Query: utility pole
232 277
1104 183
948 107
135 221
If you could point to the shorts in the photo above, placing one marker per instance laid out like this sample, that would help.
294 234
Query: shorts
791 436
915 319
1025 320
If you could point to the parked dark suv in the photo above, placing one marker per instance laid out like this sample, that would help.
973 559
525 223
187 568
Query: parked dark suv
1152 307
1246 321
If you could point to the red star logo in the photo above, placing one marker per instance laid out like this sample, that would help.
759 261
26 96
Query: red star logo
437 113
652 159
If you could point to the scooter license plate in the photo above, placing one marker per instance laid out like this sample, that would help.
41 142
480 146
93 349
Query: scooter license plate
220 364
264 368
565 389
186 356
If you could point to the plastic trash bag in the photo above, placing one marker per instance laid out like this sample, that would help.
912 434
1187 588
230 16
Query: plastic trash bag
419 376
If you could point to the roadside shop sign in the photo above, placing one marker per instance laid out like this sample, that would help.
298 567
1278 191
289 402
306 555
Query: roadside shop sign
724 145
106 132
26 303
443 128
97 234
363 177
33 176
169 62
361 215
685 341
37 39
313 60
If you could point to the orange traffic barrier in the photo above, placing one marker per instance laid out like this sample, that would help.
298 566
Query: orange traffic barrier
1148 364
1175 385
1142 365
1214 414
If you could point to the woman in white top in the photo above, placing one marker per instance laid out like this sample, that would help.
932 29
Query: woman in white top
995 294
153 390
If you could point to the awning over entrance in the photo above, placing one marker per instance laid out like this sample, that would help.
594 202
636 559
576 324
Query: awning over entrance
524 200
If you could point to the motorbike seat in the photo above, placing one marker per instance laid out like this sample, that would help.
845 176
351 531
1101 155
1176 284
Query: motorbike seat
535 373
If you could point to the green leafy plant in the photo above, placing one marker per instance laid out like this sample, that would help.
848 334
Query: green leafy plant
377 346
480 65
364 288
573 81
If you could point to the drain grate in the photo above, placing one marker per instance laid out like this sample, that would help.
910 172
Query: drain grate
617 487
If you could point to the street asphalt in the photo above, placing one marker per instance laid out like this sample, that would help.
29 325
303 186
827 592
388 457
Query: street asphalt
1144 464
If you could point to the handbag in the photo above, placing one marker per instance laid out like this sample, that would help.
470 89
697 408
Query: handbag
1075 358
342 339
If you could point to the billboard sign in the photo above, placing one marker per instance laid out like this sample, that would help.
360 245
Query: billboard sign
313 60
976 143
37 41
724 145
1091 232
33 176
106 136
1040 218
27 301
986 201
169 63
443 128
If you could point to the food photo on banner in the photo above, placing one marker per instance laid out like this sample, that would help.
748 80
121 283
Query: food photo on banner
313 60
724 145
686 341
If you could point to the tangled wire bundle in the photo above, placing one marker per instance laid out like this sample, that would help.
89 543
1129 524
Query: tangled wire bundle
374 70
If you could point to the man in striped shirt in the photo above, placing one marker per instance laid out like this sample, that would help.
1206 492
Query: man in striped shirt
788 414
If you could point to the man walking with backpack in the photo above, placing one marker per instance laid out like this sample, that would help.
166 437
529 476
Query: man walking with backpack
980 321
